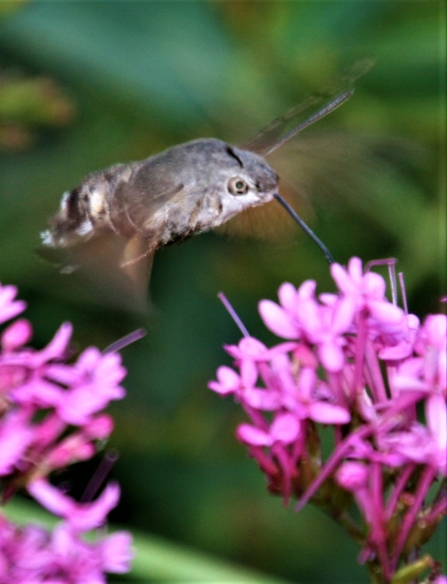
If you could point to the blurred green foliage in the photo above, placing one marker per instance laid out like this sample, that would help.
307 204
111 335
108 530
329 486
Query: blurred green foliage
88 84
26 103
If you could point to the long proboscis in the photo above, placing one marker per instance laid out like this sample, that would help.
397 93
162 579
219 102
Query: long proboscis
305 227
330 107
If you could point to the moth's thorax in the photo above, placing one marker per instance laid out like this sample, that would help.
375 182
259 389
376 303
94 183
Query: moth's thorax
187 189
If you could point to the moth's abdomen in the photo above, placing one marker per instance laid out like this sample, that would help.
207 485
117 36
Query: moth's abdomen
86 211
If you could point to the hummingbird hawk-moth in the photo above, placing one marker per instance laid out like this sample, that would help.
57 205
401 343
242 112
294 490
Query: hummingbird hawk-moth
128 211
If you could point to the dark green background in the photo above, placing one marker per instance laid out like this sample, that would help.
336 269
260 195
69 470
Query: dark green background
146 75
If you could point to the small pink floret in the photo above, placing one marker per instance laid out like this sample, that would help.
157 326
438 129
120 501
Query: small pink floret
9 308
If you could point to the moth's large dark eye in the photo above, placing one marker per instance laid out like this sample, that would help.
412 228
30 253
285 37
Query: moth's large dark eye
238 186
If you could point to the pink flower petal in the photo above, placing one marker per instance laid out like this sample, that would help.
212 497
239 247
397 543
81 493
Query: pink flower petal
287 295
307 290
285 428
56 348
328 299
342 316
331 356
374 286
306 383
38 392
116 552
310 317
355 269
352 476
249 373
386 313
253 436
16 335
82 517
248 348
327 413
80 403
9 308
436 412
261 399
98 428
15 437
228 381
251 348
277 320
435 327
343 280
49 497
398 352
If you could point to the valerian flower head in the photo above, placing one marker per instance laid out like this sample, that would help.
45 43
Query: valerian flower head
32 554
358 363
51 416
46 404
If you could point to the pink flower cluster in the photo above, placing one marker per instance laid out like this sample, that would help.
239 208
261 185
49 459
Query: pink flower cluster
50 417
358 363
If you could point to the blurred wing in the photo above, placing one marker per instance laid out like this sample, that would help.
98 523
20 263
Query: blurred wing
269 221
320 170
116 269
314 107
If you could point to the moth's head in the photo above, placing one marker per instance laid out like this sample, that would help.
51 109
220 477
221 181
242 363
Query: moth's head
244 180
250 176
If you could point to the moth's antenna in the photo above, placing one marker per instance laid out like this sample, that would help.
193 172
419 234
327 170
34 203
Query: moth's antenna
328 97
305 227
316 116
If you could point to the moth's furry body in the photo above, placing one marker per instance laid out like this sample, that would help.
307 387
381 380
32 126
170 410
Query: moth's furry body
120 216
167 197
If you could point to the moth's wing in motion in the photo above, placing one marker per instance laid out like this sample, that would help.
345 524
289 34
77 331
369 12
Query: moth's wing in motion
116 267
95 268
292 120
298 179
328 169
